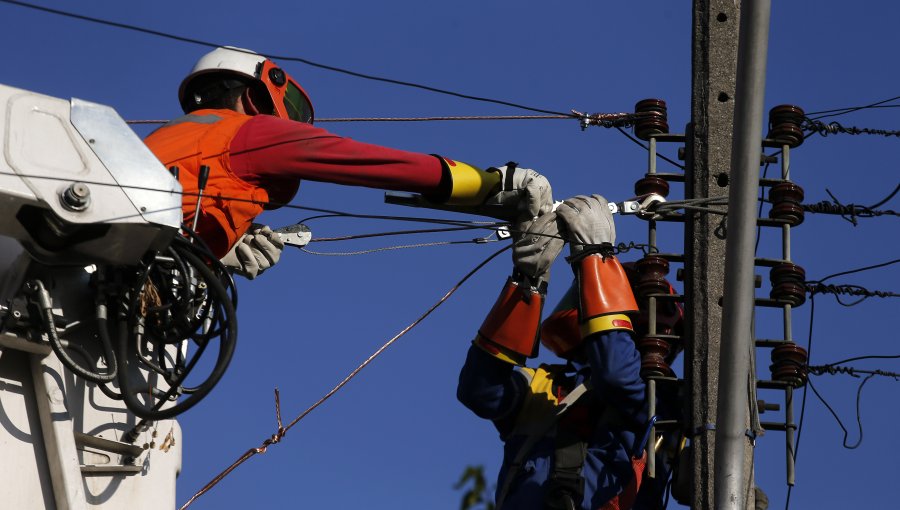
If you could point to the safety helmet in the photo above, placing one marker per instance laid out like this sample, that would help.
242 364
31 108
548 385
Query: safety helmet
561 334
270 90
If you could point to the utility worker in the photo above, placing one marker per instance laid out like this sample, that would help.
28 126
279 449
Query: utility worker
572 433
250 123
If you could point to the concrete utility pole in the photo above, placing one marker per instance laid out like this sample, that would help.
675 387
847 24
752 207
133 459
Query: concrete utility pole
731 473
708 174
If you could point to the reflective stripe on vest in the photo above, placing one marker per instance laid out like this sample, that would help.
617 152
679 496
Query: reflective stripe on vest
229 203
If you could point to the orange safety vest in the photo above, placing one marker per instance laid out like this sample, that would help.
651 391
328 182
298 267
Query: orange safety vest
229 203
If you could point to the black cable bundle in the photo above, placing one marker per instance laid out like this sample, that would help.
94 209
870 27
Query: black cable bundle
182 294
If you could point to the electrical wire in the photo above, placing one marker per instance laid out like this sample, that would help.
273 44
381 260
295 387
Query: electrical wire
850 212
398 247
411 119
809 343
282 430
842 111
640 144
833 128
284 58
840 423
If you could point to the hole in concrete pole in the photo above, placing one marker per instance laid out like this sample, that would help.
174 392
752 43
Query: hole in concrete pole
722 17
722 180
723 97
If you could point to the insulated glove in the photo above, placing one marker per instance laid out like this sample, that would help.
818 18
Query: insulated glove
524 192
586 222
537 244
258 250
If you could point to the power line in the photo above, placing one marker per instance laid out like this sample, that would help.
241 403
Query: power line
282 430
420 119
284 58
809 343
843 111
832 128
638 142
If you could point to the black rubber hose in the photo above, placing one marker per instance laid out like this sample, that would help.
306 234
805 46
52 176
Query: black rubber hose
222 303
37 287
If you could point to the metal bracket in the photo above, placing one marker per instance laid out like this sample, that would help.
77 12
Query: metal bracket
297 235
641 206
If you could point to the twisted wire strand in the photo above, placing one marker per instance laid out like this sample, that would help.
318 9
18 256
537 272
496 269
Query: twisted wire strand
851 371
606 120
480 240
847 290
832 128
282 430
851 212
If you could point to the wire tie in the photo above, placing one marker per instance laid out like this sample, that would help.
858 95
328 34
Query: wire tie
752 435
703 428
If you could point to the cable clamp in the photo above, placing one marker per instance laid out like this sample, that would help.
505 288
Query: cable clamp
642 206
703 428
752 435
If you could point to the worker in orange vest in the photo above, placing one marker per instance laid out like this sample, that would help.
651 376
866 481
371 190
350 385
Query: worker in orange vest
251 124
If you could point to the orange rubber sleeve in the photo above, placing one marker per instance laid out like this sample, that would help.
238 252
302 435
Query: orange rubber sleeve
514 320
603 288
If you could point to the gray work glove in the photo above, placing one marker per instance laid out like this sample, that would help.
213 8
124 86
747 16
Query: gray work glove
523 191
537 244
258 250
586 222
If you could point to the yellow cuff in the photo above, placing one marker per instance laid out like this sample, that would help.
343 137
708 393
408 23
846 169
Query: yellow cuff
612 322
511 357
470 185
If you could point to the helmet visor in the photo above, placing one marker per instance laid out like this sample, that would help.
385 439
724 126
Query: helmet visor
296 104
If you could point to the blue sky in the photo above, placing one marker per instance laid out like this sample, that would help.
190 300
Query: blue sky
395 437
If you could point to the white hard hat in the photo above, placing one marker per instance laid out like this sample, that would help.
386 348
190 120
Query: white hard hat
287 98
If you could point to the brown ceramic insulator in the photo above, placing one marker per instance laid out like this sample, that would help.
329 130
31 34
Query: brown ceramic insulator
653 357
652 272
651 184
787 272
786 124
654 121
786 198
786 191
789 364
789 292
789 212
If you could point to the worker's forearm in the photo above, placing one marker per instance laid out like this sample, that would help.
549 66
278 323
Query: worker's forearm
488 386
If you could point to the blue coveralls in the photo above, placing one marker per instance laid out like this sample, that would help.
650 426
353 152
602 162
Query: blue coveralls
500 392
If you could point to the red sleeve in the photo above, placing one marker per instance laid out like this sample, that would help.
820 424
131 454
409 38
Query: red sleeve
275 154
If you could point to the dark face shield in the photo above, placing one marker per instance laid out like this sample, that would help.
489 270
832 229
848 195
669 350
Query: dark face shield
296 104
289 100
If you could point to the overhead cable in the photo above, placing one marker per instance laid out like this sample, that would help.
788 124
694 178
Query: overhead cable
843 111
851 212
809 343
282 430
832 128
284 58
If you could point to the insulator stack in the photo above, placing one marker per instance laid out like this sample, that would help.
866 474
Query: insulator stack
654 353
786 124
788 283
652 272
654 120
786 198
789 364
651 184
